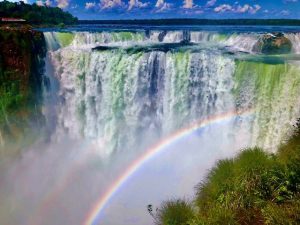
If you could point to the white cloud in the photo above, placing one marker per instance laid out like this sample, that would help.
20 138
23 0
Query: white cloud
136 4
108 4
161 6
211 3
238 9
62 3
40 3
159 3
90 5
254 9
223 8
48 3
243 9
188 4
43 3
285 12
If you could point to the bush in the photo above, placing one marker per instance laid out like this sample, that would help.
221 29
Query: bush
253 188
217 182
174 212
288 213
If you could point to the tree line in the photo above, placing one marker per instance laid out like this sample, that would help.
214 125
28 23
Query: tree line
36 15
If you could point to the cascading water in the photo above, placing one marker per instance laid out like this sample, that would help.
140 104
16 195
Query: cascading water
123 97
116 96
111 95
295 39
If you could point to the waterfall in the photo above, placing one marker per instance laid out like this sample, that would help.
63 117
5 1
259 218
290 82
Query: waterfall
51 41
239 42
126 99
107 108
80 40
117 96
236 41
274 90
295 39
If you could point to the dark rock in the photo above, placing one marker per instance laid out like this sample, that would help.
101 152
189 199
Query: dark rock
104 48
161 47
161 36
273 43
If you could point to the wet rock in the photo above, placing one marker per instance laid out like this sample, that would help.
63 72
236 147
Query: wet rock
21 75
273 43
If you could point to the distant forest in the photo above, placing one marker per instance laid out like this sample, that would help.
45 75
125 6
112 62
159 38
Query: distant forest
37 15
159 22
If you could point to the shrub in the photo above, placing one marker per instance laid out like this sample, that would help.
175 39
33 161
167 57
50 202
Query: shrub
174 212
217 182
253 188
288 213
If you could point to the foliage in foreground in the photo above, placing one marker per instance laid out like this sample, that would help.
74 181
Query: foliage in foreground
253 188
174 212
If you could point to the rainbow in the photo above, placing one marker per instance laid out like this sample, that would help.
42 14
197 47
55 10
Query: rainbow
93 215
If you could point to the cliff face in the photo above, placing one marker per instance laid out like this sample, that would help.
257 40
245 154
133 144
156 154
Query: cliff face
21 75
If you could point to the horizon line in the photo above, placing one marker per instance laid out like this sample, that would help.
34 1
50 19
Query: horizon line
187 18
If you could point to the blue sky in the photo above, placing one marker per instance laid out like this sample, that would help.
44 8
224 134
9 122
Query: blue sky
130 9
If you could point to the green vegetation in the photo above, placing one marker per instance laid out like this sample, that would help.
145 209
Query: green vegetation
255 187
173 212
37 15
64 38
21 69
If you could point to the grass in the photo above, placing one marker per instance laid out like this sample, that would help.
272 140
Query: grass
174 212
255 187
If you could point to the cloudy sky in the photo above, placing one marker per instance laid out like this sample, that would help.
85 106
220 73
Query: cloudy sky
128 9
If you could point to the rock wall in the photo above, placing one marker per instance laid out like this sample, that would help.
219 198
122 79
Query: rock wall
21 76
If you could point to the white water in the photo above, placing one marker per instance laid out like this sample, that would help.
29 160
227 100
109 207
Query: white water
295 39
235 41
107 107
122 98
239 42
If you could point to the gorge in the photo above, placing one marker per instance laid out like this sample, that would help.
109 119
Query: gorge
106 98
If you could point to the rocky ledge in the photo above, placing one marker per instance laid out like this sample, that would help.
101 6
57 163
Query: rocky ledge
273 43
22 55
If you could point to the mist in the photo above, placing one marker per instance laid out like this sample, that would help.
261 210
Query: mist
59 183
105 109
